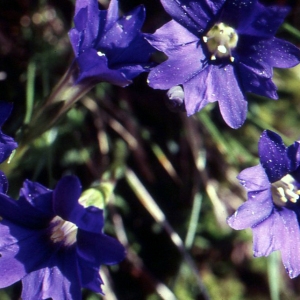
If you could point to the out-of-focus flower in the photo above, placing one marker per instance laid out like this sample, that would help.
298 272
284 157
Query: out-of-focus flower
218 50
272 210
108 47
7 143
53 243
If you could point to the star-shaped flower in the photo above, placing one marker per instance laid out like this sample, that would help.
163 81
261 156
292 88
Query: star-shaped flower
272 210
108 47
219 50
7 143
53 243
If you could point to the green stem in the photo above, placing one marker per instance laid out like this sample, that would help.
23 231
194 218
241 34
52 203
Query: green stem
30 91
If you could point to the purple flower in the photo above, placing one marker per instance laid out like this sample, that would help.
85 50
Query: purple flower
53 243
108 47
272 210
218 50
7 143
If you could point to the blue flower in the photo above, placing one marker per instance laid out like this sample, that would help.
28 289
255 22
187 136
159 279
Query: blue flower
53 243
272 210
219 50
108 47
7 143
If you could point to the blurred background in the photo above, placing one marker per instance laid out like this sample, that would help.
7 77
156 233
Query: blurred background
174 177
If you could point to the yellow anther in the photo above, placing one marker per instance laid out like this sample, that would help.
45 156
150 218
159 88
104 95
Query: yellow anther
291 194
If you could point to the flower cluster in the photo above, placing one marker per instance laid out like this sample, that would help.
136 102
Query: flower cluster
272 210
218 51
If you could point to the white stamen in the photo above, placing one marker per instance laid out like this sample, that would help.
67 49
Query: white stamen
285 190
222 49
220 40
100 53
63 231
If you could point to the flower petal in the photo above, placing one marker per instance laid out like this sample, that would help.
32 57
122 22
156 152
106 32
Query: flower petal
215 83
59 280
275 157
90 276
5 111
183 64
3 183
232 103
21 251
254 179
65 205
123 30
268 53
197 16
87 20
112 15
7 143
95 67
24 213
197 91
99 248
253 18
280 232
256 209
170 37
256 84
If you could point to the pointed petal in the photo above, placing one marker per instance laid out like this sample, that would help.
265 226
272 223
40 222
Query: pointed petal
170 37
93 66
280 54
112 15
256 84
275 157
65 205
253 18
24 213
122 32
87 18
183 64
99 248
196 16
90 276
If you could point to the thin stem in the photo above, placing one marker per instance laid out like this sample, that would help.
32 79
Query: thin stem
30 91
194 220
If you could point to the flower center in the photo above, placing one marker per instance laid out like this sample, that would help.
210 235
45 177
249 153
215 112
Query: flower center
220 40
63 231
285 190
